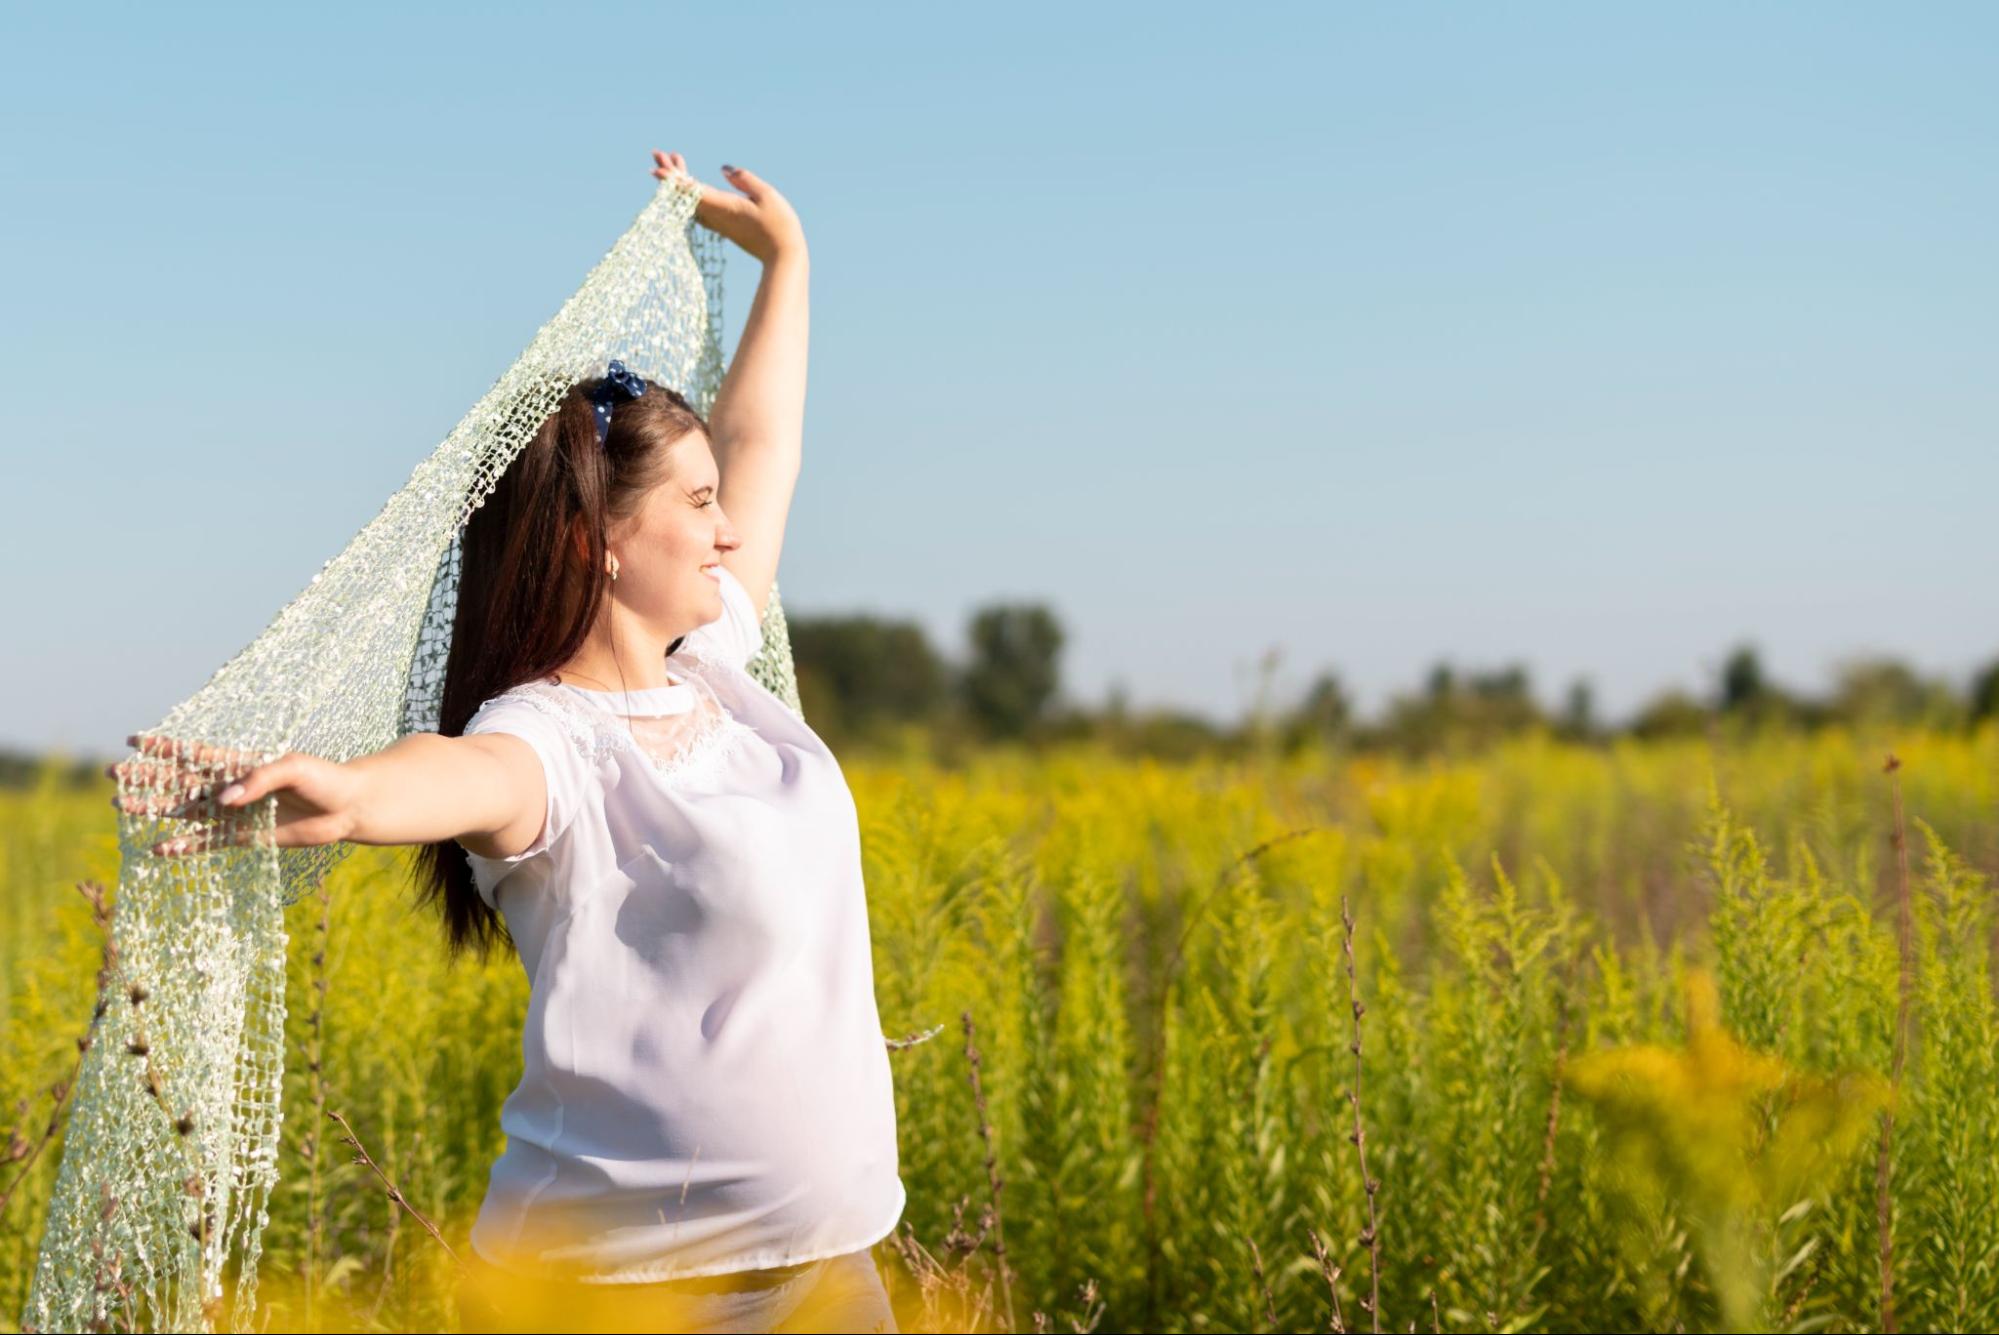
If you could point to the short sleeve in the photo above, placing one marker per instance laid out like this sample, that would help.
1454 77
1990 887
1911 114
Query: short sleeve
736 635
567 772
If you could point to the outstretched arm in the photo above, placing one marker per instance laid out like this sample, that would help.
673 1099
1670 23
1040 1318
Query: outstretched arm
487 790
757 423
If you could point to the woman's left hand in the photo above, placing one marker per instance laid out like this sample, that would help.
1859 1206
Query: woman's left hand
760 220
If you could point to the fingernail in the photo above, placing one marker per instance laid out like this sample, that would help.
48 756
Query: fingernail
232 792
727 168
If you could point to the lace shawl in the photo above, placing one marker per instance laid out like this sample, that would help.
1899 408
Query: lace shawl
173 1147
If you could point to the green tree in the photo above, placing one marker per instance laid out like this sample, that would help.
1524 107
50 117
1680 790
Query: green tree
1456 712
1671 713
1578 721
1013 673
1985 691
1325 715
858 675
1748 696
1743 684
1885 690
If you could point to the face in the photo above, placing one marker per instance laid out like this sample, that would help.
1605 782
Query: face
667 553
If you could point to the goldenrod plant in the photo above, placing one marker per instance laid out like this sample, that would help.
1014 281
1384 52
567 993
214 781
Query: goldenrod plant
1613 1032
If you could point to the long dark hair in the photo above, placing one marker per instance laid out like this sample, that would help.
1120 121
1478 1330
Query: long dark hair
531 577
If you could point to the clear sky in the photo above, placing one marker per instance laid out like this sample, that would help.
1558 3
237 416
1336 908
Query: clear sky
1596 337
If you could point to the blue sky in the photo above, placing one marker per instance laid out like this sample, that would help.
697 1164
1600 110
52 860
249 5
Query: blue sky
1593 338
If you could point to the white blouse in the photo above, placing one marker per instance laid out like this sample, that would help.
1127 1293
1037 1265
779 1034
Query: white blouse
705 1085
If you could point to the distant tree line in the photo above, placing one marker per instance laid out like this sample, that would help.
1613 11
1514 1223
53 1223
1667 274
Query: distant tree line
1455 711
878 683
867 681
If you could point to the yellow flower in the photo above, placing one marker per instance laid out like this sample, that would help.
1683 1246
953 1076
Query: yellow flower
1731 1135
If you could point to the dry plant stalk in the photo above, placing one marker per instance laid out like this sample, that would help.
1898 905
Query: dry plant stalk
1337 1324
394 1232
1905 942
936 1281
315 1054
993 1179
1093 1308
1093 1312
18 1148
898 1044
110 1273
1547 1171
1269 1299
1370 1236
395 1193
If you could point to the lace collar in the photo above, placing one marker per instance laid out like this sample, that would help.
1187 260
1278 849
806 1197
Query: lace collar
645 702
597 727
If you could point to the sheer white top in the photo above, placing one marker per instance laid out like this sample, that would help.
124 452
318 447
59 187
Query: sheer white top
705 1086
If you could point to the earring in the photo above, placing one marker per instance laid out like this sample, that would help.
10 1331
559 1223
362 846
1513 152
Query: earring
614 567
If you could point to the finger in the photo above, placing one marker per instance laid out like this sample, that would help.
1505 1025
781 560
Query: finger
158 746
260 781
131 768
151 780
207 841
140 771
744 180
182 845
168 848
199 804
178 802
144 768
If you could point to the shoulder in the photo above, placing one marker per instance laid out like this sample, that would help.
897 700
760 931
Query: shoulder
565 749
545 715
734 637
533 699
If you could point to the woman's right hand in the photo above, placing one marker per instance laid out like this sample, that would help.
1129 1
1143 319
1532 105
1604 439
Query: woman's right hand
317 799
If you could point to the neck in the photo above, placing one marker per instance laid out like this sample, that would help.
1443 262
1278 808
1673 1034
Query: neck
639 660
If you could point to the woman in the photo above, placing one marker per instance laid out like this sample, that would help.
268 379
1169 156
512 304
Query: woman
704 1130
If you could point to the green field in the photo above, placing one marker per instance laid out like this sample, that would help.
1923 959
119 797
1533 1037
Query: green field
1629 1040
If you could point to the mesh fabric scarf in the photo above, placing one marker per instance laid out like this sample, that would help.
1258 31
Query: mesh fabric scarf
172 1146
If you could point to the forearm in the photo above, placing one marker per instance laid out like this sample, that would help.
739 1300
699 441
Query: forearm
761 401
426 788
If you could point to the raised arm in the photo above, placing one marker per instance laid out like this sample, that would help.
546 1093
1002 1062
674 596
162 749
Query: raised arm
487 790
757 424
